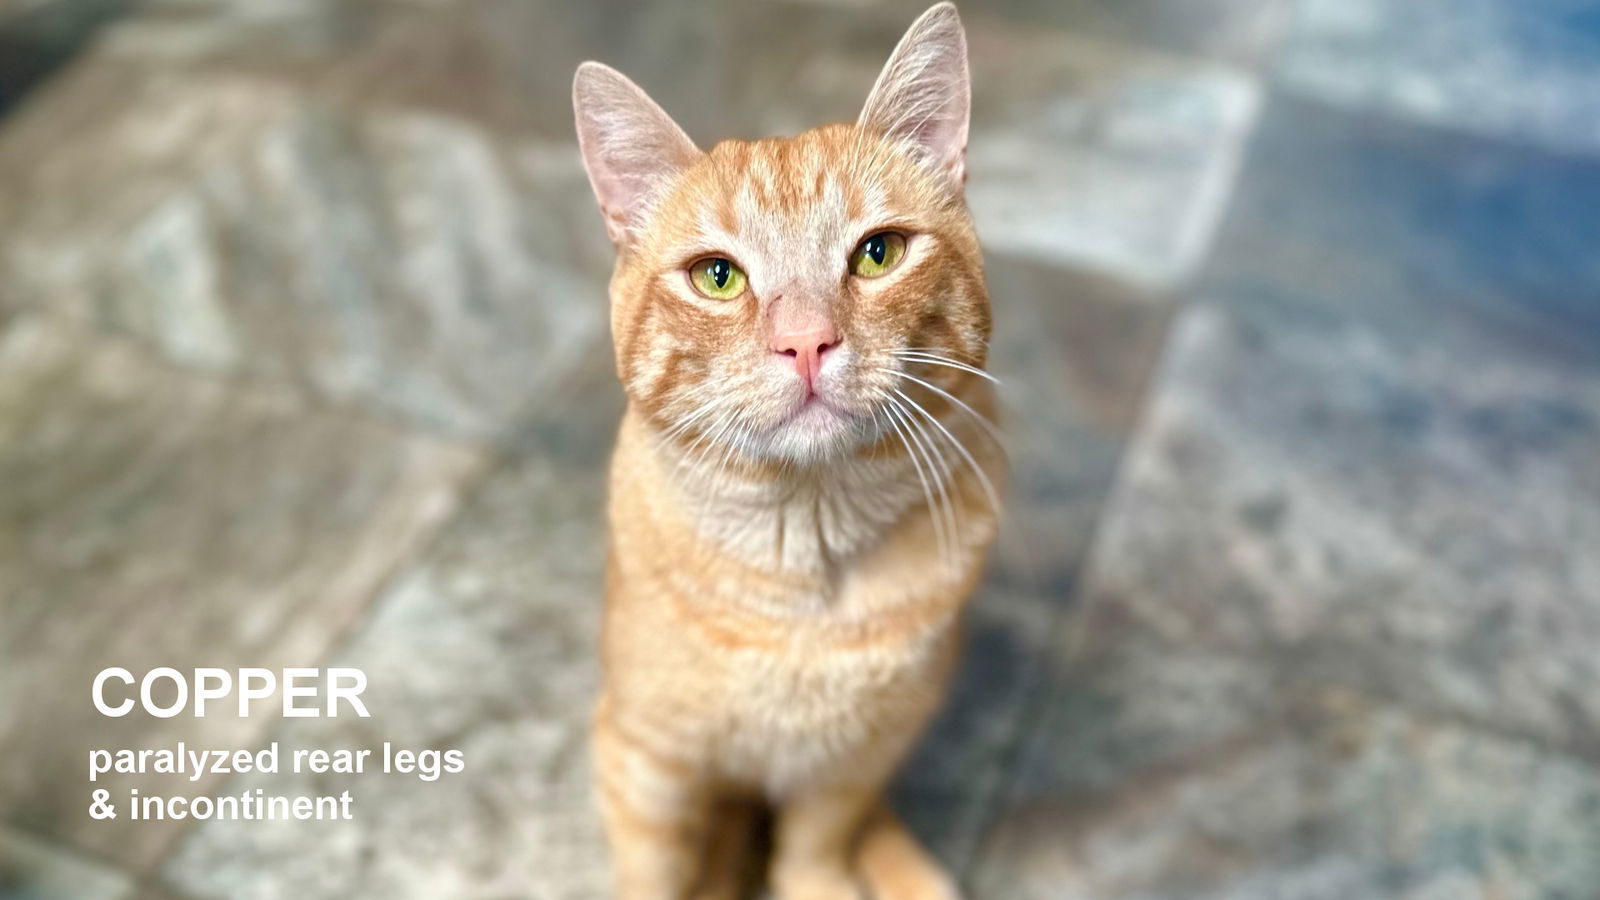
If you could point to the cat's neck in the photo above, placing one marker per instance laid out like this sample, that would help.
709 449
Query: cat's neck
789 519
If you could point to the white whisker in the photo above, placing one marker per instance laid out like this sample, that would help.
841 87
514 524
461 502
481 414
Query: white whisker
927 491
692 452
689 420
988 426
931 359
983 477
728 449
942 479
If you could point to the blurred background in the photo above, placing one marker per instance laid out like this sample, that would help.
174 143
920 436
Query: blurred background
304 361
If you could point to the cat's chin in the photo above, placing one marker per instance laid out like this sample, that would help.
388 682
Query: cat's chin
816 433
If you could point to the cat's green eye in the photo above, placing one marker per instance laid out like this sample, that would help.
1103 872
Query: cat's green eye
717 277
878 254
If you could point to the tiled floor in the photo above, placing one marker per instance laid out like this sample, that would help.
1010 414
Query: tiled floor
1336 637
303 360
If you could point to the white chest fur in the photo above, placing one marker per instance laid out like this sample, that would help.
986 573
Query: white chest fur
795 713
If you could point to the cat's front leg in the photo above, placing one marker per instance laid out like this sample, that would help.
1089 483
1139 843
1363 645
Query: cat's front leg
816 833
894 864
656 814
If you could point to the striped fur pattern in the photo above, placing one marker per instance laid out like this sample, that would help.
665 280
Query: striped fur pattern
789 552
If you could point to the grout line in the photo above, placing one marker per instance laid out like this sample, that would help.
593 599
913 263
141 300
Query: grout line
1218 190
1218 187
1218 184
995 791
1063 613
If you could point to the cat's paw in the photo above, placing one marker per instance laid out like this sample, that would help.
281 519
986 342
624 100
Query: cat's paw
816 884
925 885
896 867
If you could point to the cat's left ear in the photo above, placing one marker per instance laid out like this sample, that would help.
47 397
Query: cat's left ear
923 97
631 148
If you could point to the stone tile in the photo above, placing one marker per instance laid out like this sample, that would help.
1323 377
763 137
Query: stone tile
1529 70
1072 351
1243 33
1071 343
1367 466
947 790
1362 509
154 519
413 262
487 644
1096 155
1340 797
34 869
37 37
1428 233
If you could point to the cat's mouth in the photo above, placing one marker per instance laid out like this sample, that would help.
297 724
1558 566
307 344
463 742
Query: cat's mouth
812 410
815 428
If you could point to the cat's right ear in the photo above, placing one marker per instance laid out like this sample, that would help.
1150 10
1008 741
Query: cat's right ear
631 148
923 97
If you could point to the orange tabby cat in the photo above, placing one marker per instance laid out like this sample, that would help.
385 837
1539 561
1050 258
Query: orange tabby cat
803 488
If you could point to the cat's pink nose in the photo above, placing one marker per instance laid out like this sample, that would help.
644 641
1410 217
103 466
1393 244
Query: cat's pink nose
807 348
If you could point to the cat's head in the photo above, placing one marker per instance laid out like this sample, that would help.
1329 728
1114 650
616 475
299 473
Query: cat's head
767 292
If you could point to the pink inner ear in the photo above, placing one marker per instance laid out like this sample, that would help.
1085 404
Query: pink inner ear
631 148
923 95
616 224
